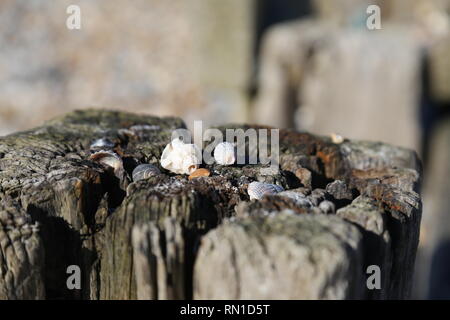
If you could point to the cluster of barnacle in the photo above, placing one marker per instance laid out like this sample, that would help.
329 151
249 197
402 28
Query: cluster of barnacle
183 158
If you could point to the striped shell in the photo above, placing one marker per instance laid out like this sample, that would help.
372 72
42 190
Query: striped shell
109 159
224 153
256 190
144 171
180 157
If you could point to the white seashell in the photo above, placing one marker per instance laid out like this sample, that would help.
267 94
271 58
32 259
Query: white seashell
144 171
109 159
102 143
256 190
336 138
327 207
224 153
179 157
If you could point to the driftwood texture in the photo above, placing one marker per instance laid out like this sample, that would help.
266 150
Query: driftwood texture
167 237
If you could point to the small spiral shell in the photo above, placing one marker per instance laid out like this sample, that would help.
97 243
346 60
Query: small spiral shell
224 153
256 190
109 159
144 171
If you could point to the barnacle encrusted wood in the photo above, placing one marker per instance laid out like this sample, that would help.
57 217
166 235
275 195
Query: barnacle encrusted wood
165 235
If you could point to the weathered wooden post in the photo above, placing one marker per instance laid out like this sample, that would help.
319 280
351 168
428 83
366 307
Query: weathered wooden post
347 205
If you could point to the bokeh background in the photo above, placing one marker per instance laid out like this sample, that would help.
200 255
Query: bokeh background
312 65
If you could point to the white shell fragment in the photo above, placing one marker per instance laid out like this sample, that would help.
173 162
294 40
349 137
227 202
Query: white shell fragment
109 159
327 207
181 158
224 153
336 138
256 190
102 143
144 171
